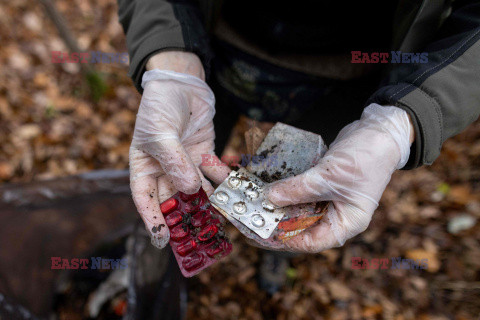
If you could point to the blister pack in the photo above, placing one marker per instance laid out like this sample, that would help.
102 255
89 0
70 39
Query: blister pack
197 236
241 197
284 152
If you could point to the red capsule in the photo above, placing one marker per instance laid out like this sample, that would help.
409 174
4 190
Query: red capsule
169 205
186 247
207 233
214 249
173 219
201 218
193 205
178 232
193 261
218 249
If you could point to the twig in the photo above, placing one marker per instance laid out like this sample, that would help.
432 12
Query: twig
64 31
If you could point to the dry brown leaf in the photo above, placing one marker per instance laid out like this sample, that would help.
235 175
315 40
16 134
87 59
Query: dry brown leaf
461 194
339 291
431 256
253 139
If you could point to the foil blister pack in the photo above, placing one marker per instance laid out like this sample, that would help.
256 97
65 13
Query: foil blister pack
241 197
197 236
286 151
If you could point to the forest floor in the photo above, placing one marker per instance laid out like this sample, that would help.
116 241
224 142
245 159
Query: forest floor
51 126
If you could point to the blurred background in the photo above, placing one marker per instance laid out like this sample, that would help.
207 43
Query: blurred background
59 122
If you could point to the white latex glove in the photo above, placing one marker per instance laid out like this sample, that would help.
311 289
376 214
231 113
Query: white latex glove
173 129
352 175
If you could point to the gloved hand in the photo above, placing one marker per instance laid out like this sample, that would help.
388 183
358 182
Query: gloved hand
173 129
352 175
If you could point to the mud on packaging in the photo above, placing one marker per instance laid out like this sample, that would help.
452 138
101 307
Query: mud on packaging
197 236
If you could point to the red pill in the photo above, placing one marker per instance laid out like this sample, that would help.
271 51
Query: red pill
186 247
201 218
173 219
207 233
178 232
193 261
169 205
216 249
193 205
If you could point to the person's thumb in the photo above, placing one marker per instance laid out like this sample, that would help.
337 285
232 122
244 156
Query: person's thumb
320 237
307 187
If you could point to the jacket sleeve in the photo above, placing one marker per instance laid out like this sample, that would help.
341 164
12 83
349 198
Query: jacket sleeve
151 26
442 96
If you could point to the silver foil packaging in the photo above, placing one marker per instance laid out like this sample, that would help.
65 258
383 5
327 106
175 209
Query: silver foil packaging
241 197
286 151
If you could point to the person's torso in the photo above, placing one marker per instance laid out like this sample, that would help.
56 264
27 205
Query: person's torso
316 27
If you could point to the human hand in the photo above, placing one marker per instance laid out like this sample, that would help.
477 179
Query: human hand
173 129
352 175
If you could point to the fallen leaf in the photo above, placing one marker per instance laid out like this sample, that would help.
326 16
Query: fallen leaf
419 254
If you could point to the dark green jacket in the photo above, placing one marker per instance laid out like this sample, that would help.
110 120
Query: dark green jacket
442 96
